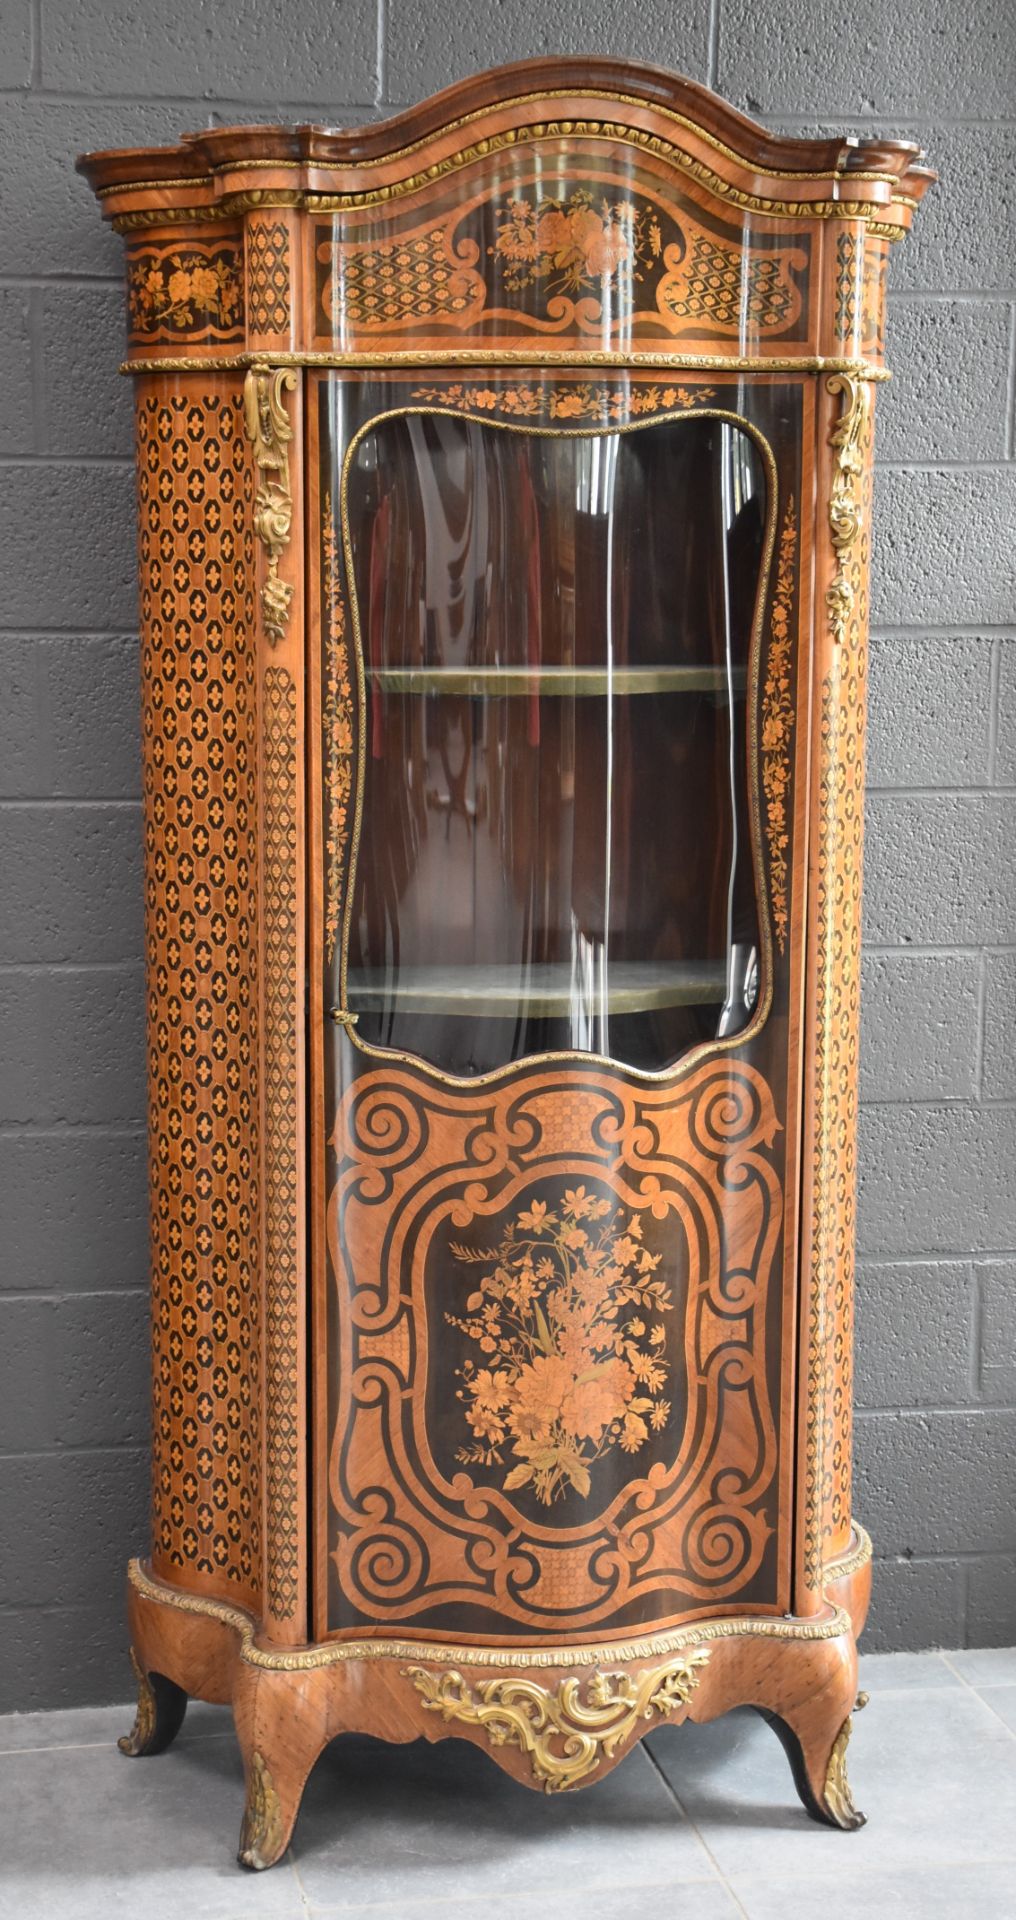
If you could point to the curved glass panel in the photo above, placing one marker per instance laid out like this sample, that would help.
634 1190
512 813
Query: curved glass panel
555 851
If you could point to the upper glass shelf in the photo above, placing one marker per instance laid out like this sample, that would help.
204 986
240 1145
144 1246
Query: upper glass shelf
541 991
564 682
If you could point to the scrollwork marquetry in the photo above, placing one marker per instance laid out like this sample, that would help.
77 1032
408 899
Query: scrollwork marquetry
590 241
461 1532
270 432
568 1730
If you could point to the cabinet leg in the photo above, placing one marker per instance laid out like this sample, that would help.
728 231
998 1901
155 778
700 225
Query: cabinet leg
819 1768
159 1715
281 1733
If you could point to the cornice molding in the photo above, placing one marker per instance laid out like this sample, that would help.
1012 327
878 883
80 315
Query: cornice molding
675 119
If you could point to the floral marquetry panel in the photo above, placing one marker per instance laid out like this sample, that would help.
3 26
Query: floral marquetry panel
187 291
558 1350
550 247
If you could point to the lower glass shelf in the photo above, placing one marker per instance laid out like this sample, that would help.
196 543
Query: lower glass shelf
536 992
562 682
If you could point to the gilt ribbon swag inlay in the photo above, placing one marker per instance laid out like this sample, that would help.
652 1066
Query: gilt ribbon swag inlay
551 1373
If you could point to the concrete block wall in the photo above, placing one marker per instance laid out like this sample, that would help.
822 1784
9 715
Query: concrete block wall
936 1428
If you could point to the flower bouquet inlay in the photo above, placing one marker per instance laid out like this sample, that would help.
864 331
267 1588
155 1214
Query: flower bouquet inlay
566 1313
583 241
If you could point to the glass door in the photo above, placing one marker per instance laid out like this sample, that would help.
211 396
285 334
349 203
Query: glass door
555 1268
555 851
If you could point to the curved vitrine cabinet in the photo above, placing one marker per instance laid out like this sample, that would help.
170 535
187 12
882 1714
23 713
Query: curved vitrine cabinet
504 478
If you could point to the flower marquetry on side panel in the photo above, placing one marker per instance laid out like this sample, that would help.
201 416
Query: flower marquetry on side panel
192 293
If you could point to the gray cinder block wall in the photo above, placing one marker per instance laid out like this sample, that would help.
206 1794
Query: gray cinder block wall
936 1430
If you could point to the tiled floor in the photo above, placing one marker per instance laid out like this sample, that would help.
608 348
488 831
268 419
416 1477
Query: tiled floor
700 1823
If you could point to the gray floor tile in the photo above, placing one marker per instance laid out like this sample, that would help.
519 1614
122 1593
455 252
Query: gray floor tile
974 1892
1001 1700
79 1727
88 1833
986 1666
880 1672
397 1825
935 1771
690 1900
99 1726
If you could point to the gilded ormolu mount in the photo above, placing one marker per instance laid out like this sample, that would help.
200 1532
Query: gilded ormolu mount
845 496
839 1801
270 433
567 1730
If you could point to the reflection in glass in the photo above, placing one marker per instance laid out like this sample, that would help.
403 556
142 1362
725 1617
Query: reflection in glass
555 851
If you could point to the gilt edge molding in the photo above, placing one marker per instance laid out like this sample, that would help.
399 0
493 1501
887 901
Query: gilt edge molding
827 1626
440 357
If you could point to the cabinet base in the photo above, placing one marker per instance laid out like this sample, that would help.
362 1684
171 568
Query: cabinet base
554 1718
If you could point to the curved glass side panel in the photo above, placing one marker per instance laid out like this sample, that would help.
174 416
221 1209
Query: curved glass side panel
555 852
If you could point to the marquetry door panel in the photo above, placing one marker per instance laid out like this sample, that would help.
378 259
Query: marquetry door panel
555 1332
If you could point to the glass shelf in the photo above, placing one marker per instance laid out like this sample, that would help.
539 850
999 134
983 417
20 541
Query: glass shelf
536 992
482 681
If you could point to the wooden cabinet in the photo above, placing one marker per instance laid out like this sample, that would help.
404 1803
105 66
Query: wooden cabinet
504 478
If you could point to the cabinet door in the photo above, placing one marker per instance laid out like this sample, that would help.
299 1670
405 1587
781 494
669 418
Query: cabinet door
558 1098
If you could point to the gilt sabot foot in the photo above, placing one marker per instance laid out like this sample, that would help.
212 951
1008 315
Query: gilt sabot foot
158 1716
824 1791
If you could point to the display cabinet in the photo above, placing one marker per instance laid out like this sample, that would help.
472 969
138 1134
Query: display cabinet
503 539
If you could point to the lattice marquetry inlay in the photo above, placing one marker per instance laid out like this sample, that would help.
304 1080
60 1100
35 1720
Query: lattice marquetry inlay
282 1195
721 289
268 277
200 811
